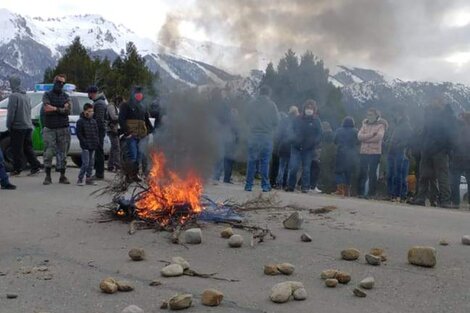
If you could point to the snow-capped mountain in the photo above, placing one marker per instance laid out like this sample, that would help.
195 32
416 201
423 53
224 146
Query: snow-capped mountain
28 45
363 88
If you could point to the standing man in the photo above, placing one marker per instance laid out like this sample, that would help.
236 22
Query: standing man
114 161
438 140
371 137
21 127
307 137
397 160
135 124
99 107
263 119
56 132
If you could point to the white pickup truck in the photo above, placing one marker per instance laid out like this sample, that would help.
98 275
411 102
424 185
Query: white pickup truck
78 99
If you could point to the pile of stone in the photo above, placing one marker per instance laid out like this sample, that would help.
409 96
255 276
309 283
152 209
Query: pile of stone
277 269
110 285
176 268
375 256
209 297
285 291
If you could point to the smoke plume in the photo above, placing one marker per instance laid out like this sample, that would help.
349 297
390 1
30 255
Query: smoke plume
383 34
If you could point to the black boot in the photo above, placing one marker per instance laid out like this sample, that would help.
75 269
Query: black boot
9 186
63 179
47 180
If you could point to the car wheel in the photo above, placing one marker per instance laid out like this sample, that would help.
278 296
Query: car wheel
7 153
77 159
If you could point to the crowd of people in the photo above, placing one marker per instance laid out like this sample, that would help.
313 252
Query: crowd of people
98 119
420 165
438 152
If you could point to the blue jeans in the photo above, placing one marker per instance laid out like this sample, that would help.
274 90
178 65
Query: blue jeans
3 172
133 151
260 148
228 166
283 169
396 175
299 158
368 171
88 160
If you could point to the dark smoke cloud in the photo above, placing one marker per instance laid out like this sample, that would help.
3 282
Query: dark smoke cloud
376 33
189 133
169 35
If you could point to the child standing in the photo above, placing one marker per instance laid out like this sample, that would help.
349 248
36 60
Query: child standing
87 133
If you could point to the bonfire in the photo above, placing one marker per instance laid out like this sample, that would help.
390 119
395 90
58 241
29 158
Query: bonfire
169 198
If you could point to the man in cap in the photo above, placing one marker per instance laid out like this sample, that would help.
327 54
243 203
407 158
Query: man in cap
99 108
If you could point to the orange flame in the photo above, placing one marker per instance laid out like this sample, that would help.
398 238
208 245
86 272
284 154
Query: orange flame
168 193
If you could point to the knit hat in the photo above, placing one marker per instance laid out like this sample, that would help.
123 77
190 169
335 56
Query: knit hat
15 83
92 89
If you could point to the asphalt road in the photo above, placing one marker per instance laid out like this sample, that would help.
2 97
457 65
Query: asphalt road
57 226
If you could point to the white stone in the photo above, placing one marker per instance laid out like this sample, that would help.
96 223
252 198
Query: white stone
172 270
367 283
193 236
236 241
132 309
179 260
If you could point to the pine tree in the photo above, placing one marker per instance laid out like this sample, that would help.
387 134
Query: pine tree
76 64
114 78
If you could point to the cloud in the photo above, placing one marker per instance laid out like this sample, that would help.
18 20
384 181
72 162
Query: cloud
383 34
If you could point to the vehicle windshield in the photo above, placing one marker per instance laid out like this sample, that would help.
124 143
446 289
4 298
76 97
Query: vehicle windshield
36 98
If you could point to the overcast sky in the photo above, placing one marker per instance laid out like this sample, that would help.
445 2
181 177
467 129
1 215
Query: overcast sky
419 39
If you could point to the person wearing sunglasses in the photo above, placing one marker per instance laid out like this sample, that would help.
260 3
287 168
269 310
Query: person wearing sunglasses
56 133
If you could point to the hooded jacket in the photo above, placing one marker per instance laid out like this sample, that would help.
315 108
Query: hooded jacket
401 137
19 110
307 132
371 136
263 116
99 108
87 133
347 147
134 118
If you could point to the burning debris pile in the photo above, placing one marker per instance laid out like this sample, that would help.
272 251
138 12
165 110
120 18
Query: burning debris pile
169 199
174 202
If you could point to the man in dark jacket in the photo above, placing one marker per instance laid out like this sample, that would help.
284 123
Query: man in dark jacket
307 136
347 155
263 119
88 135
56 133
21 127
100 107
397 161
135 125
114 161
437 142
285 136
